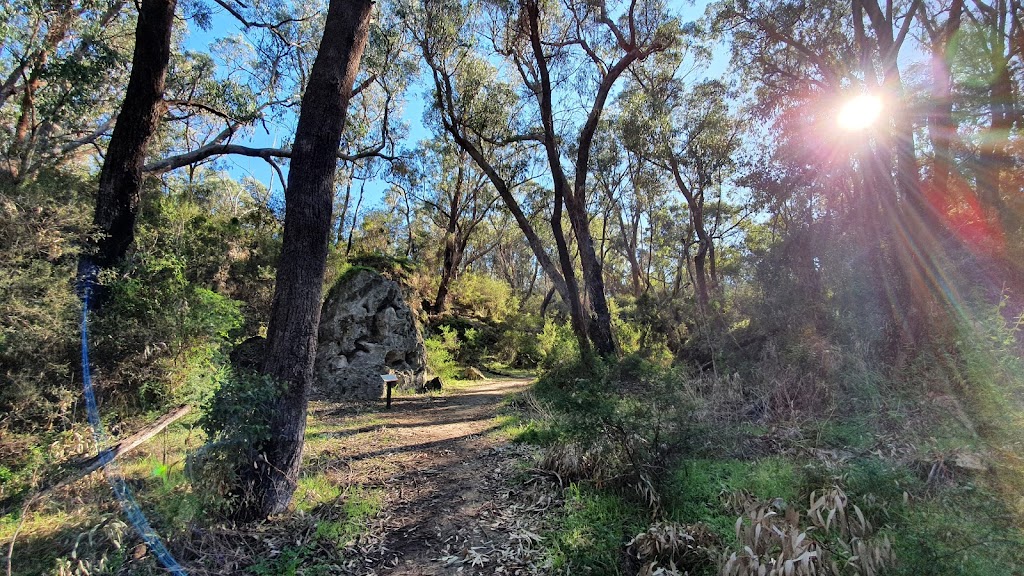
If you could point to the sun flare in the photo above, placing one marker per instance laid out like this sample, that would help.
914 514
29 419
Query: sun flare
859 112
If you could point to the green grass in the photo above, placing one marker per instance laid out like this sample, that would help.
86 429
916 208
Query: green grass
506 370
314 491
592 531
48 534
694 490
963 530
521 429
850 434
358 506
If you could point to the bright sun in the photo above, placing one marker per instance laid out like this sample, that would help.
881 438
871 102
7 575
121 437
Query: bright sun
859 112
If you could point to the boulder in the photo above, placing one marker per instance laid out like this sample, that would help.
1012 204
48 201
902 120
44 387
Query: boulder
472 373
431 385
367 329
248 355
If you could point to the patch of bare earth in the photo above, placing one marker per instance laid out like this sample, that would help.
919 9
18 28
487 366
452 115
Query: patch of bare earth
454 500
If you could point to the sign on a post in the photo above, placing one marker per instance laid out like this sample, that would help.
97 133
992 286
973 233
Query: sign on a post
389 381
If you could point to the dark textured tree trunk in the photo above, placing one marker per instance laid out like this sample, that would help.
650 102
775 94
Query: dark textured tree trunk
599 328
295 315
452 252
994 160
700 276
577 314
117 201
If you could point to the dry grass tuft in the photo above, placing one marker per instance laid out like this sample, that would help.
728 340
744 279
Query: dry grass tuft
672 548
838 541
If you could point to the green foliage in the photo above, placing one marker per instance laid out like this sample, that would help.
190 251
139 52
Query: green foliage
236 422
557 345
162 337
964 531
592 532
619 423
517 345
394 268
170 315
695 488
240 408
483 296
646 326
41 226
442 348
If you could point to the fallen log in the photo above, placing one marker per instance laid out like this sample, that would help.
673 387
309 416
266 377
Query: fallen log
82 468
128 444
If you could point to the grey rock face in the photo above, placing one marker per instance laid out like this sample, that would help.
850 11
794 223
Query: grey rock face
366 329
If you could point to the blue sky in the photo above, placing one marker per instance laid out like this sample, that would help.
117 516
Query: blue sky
224 25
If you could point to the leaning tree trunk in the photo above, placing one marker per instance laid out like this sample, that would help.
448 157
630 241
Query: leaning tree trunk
117 202
295 315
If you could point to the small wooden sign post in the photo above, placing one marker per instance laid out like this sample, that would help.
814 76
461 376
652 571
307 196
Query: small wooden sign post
389 381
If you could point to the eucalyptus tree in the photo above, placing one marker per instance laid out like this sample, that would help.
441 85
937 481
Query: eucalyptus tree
984 55
295 314
120 184
629 188
587 41
690 134
207 110
938 35
804 59
480 112
457 198
61 67
567 59
273 60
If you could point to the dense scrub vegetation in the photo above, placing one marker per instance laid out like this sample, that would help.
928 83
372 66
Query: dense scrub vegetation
759 338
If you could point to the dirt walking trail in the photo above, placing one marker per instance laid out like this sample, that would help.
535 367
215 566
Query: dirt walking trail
445 473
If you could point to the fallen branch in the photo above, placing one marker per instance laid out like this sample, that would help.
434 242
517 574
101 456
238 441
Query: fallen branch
127 445
84 468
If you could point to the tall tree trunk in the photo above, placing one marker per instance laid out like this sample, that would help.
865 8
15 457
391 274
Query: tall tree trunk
599 330
295 315
994 160
913 225
117 201
700 275
942 127
355 219
452 257
453 123
705 243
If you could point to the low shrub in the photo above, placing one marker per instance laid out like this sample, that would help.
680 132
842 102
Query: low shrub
442 349
236 422
619 424
591 532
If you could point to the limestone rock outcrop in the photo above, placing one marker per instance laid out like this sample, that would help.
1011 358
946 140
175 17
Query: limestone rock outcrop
367 329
